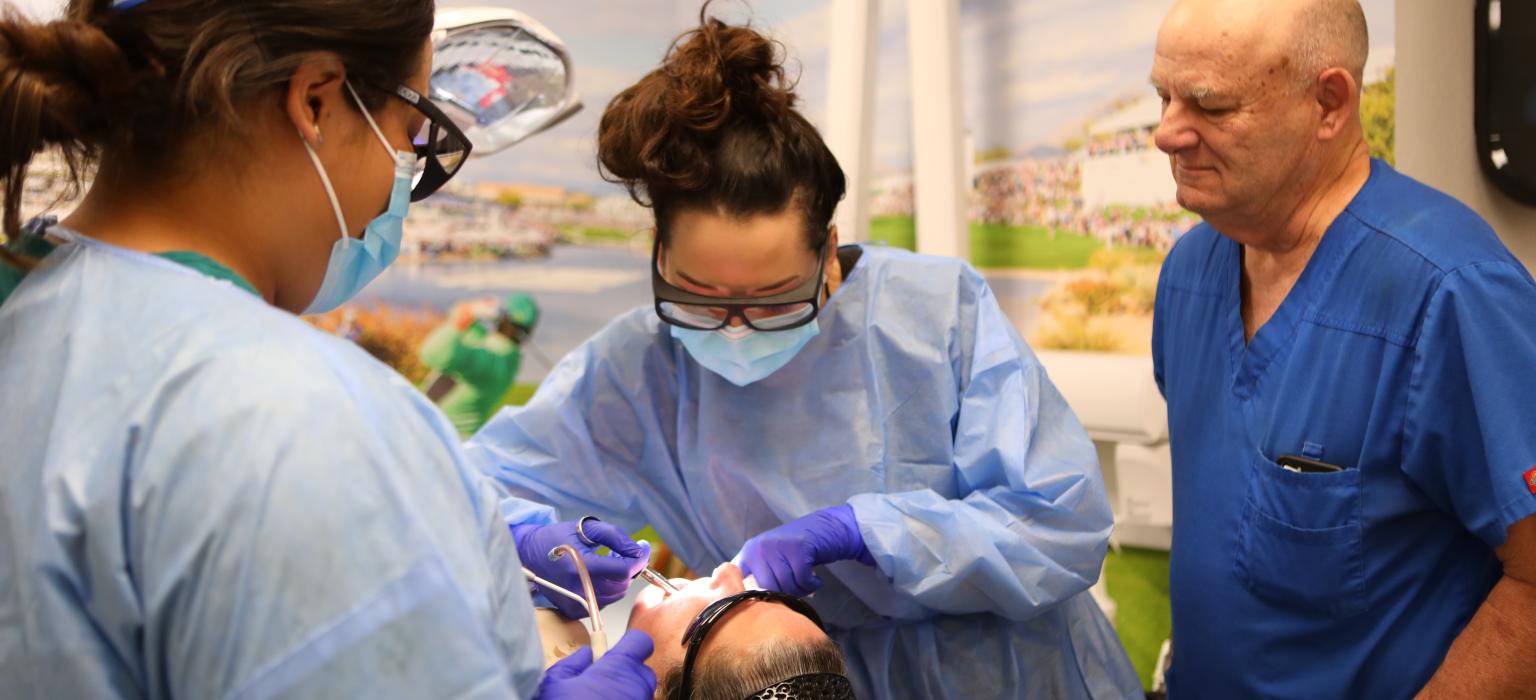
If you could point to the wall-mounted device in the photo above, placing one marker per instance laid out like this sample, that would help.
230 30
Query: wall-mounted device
1506 95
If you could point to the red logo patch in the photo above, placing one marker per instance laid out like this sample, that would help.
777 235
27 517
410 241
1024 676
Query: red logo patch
1530 479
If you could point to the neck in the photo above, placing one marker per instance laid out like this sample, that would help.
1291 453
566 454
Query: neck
212 214
1273 259
1280 246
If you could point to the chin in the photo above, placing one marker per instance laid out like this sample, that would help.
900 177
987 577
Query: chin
1194 201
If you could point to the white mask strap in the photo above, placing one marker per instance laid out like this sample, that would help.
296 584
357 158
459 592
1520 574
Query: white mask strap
376 130
341 221
330 192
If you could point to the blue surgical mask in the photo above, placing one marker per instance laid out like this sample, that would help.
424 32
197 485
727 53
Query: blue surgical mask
354 262
742 355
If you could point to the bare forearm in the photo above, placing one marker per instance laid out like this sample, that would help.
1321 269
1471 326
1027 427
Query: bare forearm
1492 656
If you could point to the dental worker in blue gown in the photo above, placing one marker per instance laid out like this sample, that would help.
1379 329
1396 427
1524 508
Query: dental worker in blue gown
856 423
201 494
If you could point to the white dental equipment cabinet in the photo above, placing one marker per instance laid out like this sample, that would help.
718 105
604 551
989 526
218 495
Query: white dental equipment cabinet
1116 399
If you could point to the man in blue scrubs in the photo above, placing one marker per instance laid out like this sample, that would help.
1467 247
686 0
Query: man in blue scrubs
1349 359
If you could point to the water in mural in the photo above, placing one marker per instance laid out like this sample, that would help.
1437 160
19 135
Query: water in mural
1071 206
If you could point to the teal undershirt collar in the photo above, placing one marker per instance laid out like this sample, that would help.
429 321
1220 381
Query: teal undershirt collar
38 247
209 267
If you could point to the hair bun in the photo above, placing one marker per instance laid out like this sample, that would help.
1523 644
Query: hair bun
722 72
70 72
659 133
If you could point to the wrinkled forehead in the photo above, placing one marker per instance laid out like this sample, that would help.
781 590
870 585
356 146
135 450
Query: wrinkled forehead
1226 51
1201 74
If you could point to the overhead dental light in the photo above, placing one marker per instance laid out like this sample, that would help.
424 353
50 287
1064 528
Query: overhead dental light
500 75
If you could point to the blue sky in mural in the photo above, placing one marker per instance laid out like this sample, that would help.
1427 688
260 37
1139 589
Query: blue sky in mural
1034 70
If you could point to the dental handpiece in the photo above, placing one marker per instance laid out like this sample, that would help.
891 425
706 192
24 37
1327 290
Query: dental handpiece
655 578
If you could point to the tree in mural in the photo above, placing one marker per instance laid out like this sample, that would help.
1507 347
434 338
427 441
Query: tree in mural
1378 113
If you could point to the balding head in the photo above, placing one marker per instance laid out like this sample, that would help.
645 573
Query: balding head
1329 34
1306 36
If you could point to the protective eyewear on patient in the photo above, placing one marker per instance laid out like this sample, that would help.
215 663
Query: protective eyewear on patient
698 630
776 312
441 147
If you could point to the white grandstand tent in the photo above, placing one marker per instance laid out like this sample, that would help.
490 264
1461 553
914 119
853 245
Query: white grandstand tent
1121 165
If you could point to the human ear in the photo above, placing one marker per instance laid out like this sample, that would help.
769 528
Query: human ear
831 247
1338 100
313 88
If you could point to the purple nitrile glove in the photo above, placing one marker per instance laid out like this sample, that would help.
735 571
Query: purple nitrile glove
611 574
782 558
620 675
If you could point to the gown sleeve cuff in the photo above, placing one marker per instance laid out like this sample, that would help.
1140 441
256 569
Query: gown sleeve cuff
516 511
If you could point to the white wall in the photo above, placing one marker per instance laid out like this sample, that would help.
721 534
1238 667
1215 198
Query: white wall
1436 142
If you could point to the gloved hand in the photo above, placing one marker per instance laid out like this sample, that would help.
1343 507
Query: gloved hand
611 574
781 559
620 675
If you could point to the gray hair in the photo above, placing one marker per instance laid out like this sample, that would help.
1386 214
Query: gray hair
735 676
1330 34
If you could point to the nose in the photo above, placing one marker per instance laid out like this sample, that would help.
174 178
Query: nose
727 578
1175 132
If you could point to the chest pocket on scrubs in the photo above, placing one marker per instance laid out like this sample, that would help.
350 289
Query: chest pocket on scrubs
1299 542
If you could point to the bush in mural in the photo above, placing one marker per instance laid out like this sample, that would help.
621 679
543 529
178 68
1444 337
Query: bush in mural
391 334
1107 307
1378 112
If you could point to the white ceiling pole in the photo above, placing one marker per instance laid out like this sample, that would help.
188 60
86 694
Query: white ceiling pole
855 34
938 135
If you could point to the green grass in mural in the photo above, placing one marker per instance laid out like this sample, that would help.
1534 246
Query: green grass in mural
1031 247
1138 583
595 234
894 231
600 233
999 245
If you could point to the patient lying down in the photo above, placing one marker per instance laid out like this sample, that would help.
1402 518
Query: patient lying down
715 640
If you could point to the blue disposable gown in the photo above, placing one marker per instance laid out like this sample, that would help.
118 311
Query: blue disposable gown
203 497
1405 354
976 489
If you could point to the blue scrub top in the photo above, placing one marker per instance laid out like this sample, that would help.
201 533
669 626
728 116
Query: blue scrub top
1405 353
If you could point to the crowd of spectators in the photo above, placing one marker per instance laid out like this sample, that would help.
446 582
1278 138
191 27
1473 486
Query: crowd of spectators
1048 192
1123 141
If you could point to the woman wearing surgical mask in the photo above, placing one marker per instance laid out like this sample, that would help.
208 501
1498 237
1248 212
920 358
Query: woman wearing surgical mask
201 495
850 421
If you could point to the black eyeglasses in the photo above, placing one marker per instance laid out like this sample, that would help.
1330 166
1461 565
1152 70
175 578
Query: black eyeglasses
441 147
698 630
778 312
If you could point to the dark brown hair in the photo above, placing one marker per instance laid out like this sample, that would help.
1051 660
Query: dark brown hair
139 83
740 675
715 128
